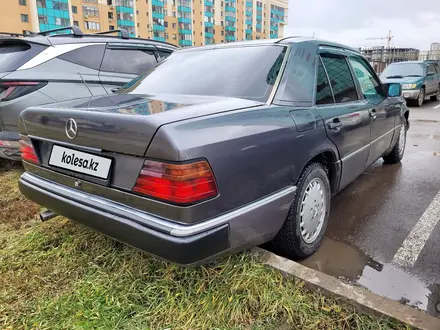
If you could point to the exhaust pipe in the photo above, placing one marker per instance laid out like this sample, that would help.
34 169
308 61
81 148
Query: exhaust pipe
47 215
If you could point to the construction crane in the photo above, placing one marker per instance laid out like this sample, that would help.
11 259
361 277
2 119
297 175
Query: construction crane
389 38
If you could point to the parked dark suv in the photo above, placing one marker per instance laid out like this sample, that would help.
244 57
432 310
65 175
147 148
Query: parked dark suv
42 68
217 148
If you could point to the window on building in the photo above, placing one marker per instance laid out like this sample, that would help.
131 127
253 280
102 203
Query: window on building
109 2
76 23
174 13
166 36
342 82
75 9
165 24
22 2
41 3
201 33
111 27
110 15
60 5
222 33
138 25
42 19
91 25
136 61
174 25
24 18
90 11
174 36
137 12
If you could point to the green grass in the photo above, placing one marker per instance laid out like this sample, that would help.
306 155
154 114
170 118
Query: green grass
61 275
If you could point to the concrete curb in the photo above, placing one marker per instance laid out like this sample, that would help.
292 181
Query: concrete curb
364 301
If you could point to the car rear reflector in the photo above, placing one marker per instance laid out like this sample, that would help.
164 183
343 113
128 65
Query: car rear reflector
27 150
177 183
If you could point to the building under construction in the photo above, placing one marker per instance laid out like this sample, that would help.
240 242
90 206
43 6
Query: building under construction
381 56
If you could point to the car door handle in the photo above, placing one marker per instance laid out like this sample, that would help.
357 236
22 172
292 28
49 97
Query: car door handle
373 114
335 125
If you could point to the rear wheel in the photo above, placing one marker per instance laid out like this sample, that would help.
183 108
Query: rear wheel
436 97
396 154
304 228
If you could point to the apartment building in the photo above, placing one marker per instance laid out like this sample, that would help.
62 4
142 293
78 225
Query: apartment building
180 22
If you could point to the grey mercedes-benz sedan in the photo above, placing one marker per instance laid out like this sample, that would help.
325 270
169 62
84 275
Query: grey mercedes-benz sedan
217 148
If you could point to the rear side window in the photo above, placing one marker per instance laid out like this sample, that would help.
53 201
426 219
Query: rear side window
12 55
132 61
323 91
344 88
88 56
161 55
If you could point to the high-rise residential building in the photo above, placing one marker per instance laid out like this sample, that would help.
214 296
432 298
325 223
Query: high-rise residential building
180 22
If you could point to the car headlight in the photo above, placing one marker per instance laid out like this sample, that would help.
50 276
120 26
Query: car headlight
409 86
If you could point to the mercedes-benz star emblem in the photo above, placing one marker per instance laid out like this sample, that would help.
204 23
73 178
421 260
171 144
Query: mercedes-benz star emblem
71 129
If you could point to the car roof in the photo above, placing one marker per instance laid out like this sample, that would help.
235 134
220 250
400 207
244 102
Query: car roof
77 36
410 62
279 41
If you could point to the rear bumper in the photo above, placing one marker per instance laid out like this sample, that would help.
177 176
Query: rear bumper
9 146
181 244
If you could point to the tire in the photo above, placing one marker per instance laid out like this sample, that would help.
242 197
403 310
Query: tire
420 98
396 155
290 242
436 97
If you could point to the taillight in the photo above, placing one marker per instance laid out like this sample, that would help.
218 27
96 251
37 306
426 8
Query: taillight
27 150
177 183
10 90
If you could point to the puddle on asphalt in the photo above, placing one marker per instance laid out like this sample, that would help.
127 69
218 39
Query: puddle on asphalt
350 264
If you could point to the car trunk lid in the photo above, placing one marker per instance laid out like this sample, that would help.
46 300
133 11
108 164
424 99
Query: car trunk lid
121 123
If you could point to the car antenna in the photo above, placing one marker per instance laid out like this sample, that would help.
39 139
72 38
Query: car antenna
85 83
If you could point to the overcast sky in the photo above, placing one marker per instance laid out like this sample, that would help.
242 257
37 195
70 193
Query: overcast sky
413 23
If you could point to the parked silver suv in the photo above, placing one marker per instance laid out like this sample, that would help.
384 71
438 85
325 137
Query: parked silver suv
43 68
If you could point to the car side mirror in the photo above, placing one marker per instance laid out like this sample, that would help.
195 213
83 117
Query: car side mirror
392 90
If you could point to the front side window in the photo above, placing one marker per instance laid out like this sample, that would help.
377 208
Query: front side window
431 69
131 61
343 86
370 87
323 91
242 72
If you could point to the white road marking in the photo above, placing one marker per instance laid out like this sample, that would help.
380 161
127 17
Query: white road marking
437 106
408 253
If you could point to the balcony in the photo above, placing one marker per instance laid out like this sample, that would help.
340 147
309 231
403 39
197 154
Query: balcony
274 27
209 3
248 22
185 31
185 42
157 3
122 9
230 18
209 14
248 31
249 4
157 27
259 17
184 20
159 38
184 9
230 38
273 36
158 15
124 22
258 25
231 9
209 24
230 28
209 35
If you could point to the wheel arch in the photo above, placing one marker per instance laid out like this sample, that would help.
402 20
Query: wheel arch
329 159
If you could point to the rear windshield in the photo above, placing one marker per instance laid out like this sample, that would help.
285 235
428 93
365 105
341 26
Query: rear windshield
244 72
11 55
403 70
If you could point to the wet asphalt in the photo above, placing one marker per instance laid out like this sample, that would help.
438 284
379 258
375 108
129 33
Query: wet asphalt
373 216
